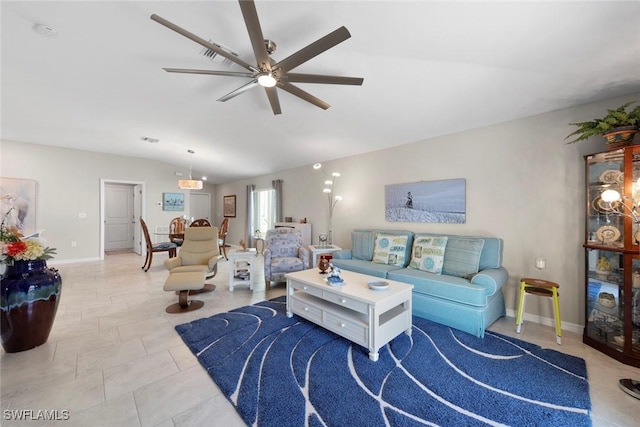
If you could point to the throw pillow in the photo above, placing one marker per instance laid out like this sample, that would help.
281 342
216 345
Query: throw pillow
462 256
428 253
362 245
389 249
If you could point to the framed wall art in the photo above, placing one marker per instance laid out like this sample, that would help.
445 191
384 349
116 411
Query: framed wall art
229 206
172 201
18 204
441 201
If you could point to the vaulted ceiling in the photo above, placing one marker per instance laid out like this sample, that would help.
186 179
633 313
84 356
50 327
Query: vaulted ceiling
429 68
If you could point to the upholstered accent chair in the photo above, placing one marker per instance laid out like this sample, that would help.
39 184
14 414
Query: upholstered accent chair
283 253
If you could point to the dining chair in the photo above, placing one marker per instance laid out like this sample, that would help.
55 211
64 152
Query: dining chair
157 247
222 237
176 230
201 222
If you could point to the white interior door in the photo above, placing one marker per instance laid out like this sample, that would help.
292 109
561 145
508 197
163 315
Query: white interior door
137 213
200 206
119 217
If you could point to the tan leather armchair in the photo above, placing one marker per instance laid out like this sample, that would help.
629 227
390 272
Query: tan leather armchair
199 252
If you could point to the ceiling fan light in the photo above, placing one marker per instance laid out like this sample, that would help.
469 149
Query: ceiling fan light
267 80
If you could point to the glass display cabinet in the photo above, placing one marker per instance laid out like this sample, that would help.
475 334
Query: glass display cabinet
612 323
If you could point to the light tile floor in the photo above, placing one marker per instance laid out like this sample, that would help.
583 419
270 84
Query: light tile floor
114 358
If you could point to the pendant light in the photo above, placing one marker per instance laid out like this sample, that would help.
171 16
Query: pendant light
190 184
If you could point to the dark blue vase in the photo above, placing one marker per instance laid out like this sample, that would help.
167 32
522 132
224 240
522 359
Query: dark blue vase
29 301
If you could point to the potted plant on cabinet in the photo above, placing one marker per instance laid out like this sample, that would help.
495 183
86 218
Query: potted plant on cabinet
618 126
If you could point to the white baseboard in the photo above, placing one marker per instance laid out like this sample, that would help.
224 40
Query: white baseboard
571 327
54 262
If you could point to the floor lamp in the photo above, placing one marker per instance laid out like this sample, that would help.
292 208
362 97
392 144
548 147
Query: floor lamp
628 385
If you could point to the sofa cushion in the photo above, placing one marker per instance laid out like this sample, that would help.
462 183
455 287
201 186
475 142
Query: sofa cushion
362 245
450 288
428 253
390 249
365 267
462 256
286 265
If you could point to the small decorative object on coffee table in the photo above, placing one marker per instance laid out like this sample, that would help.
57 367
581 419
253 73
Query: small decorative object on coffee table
323 265
335 276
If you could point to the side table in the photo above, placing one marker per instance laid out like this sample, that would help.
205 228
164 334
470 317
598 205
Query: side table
317 250
241 268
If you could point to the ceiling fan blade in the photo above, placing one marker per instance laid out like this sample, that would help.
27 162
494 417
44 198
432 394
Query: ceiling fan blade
294 90
202 42
250 16
253 83
211 72
317 78
314 49
272 94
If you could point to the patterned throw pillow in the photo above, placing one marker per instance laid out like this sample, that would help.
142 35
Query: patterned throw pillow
428 253
389 249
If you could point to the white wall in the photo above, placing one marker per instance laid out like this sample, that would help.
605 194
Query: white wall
68 182
523 184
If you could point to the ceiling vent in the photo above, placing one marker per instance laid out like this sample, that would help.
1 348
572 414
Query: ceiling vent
214 57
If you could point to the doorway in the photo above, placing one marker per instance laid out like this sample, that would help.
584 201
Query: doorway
119 218
200 205
121 206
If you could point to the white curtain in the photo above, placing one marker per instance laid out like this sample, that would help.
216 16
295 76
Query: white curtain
249 231
277 199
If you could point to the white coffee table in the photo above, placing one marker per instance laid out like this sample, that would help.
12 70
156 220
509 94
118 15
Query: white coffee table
364 316
241 262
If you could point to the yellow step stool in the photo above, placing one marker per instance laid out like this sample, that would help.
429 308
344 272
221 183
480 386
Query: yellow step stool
542 288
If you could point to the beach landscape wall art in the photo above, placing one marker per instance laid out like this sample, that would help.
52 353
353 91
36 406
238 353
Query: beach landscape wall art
442 201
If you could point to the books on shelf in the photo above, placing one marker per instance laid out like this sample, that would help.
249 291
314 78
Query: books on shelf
242 274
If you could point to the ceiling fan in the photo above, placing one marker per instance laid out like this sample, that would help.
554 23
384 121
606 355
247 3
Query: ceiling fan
268 73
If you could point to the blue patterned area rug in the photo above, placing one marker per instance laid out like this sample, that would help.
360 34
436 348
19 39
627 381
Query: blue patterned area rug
280 371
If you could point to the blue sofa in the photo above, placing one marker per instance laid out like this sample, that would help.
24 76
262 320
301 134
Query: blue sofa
469 302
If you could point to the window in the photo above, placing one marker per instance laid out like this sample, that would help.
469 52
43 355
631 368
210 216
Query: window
264 214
